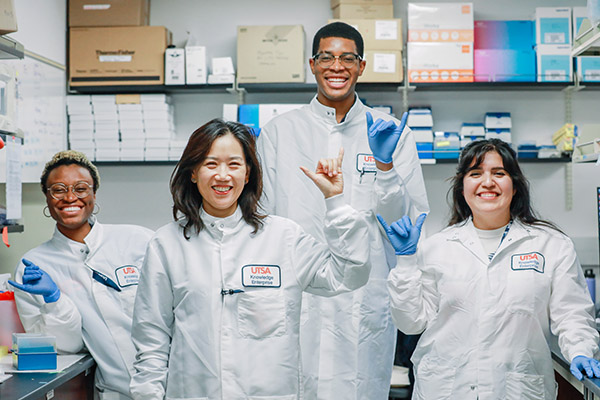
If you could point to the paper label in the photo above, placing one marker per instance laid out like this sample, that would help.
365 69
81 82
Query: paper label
384 63
115 58
96 6
386 30
255 275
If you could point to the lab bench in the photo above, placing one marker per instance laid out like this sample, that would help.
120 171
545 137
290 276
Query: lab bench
75 382
589 388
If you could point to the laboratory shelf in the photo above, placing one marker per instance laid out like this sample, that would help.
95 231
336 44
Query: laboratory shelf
169 89
17 136
12 228
474 86
10 48
552 160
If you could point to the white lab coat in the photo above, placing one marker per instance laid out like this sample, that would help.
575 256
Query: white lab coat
240 345
89 313
488 324
348 341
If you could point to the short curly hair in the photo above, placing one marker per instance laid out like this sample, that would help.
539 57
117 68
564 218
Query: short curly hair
69 157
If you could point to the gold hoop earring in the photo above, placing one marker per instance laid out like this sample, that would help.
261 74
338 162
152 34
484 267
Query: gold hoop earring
96 209
44 212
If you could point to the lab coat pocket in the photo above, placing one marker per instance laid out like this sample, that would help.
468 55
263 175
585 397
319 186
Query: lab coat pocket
434 378
261 313
363 191
375 306
524 386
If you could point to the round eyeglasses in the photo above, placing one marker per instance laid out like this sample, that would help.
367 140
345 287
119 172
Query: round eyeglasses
325 60
59 191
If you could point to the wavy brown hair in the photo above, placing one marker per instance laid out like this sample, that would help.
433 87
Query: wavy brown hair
474 153
187 200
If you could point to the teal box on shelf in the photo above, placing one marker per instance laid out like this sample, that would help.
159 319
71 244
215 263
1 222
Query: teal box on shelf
33 351
446 145
425 150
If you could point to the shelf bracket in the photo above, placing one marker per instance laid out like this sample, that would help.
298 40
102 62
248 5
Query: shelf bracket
239 91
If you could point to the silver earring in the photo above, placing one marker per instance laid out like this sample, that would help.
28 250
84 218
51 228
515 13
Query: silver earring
96 209
194 180
44 212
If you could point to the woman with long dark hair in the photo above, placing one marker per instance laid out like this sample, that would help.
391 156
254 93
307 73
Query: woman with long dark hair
218 311
491 290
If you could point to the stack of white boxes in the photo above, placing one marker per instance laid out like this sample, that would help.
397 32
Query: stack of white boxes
106 133
553 44
158 125
440 42
123 127
420 121
133 137
498 126
587 67
81 125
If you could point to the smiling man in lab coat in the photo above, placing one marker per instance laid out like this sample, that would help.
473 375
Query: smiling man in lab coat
347 341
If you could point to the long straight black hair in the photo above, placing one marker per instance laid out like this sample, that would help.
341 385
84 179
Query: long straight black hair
474 153
187 200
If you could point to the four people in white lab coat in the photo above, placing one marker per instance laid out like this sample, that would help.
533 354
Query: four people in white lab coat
218 313
347 341
218 309
80 285
491 290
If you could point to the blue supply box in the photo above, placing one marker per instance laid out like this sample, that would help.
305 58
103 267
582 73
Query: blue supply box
34 351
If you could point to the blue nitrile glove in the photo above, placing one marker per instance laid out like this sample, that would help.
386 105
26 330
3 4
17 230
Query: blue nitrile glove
383 137
403 235
37 281
583 363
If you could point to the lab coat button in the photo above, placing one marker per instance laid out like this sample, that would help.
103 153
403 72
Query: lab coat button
221 225
473 387
212 224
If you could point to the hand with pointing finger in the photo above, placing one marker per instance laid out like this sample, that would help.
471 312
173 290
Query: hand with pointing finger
328 175
403 235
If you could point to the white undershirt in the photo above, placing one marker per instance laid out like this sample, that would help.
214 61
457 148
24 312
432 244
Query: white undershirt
490 239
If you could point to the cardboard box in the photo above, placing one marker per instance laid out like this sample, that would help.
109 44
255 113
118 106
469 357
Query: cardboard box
553 25
8 18
267 54
364 11
440 62
109 12
504 65
554 63
382 66
440 22
514 35
117 55
174 66
335 3
378 34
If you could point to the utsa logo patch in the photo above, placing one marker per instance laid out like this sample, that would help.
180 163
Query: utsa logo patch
526 261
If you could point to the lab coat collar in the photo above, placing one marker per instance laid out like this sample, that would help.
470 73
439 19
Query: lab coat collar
328 113
218 226
91 241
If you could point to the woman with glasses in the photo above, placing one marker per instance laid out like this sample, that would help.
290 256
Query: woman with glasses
80 285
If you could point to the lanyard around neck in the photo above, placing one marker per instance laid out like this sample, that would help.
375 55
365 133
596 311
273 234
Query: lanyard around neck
491 255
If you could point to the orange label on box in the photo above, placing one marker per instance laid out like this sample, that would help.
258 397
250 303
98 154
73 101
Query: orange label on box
440 35
440 75
466 9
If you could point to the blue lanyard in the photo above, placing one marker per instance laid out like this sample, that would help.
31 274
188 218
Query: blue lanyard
105 280
491 255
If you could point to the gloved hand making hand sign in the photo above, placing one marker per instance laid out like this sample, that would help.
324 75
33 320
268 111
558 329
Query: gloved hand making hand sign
383 137
37 281
403 235
589 365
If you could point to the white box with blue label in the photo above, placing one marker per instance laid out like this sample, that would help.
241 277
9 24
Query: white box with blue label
554 63
420 117
498 120
502 134
422 134
553 25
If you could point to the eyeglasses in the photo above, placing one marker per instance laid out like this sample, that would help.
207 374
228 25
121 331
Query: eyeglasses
325 60
59 191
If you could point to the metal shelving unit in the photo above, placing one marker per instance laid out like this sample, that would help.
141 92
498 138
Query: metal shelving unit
10 48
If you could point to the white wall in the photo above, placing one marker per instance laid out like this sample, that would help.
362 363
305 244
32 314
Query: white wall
140 194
